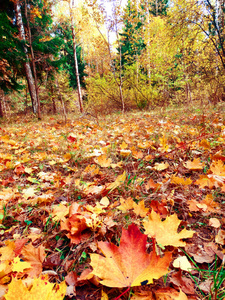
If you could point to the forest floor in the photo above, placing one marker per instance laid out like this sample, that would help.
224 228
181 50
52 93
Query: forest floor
151 183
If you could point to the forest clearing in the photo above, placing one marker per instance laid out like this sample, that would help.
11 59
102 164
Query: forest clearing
69 191
112 150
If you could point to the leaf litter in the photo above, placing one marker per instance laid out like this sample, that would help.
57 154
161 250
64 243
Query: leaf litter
135 203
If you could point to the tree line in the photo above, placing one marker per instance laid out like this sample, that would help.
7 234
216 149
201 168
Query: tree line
55 55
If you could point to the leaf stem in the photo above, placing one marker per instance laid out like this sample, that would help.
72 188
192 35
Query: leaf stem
117 298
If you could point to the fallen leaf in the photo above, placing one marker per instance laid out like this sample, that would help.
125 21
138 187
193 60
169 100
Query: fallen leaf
19 265
220 237
169 294
161 166
119 180
214 222
41 289
35 256
182 263
165 232
143 295
128 264
126 204
196 164
140 209
187 285
181 180
103 161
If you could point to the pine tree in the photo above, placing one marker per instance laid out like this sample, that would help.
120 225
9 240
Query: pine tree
132 42
11 53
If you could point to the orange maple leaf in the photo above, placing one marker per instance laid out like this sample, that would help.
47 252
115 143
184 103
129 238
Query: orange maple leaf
169 294
129 264
165 232
140 209
218 168
35 256
204 180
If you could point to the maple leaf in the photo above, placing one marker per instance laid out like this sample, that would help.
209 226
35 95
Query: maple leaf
7 252
165 232
218 168
41 289
152 185
182 181
161 166
204 180
18 265
169 294
30 192
140 209
35 256
119 180
128 264
59 212
103 161
194 165
211 205
126 204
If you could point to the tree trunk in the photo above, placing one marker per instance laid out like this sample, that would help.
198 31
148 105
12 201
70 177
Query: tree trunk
75 58
28 71
61 100
1 106
33 64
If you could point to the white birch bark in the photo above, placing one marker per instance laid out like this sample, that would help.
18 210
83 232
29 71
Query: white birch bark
29 75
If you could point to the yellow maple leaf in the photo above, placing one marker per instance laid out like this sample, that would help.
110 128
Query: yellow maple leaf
161 166
181 180
126 204
140 209
59 212
123 145
41 289
18 265
196 164
119 181
165 232
218 168
103 161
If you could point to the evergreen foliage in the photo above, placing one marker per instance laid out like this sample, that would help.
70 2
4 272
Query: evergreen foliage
11 53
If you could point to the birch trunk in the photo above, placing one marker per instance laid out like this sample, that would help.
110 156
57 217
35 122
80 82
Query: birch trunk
33 64
29 75
75 58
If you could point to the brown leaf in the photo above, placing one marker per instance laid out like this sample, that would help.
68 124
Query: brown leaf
184 283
